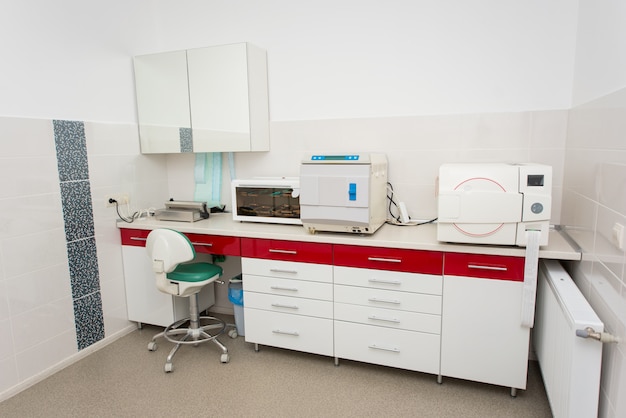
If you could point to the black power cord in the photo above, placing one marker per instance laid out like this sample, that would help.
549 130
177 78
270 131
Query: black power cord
396 218
117 209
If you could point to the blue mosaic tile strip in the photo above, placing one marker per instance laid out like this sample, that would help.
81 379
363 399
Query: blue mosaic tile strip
89 320
186 139
77 210
71 147
83 262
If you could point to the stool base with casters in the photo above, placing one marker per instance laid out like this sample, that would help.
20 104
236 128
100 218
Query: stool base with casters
193 334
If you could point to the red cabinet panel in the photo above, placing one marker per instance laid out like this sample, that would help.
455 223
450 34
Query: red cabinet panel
272 249
485 266
208 244
411 261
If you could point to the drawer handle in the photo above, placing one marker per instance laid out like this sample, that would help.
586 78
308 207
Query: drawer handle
203 244
273 250
138 239
377 318
379 347
284 271
396 282
290 289
280 305
279 331
480 267
386 260
378 300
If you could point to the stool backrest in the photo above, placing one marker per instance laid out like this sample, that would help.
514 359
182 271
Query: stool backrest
167 249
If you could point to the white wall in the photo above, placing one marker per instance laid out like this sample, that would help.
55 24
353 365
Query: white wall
327 59
594 197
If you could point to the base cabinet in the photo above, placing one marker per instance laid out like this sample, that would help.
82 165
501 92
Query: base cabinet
482 337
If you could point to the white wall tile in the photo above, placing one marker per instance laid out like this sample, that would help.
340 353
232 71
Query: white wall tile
42 323
28 176
111 138
30 214
46 354
37 288
6 342
24 137
19 252
8 373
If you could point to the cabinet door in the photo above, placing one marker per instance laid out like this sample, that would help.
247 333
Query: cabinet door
482 336
162 101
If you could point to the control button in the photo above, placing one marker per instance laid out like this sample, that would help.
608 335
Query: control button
536 208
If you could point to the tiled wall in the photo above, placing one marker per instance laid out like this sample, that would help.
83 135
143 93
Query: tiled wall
594 201
61 280
56 298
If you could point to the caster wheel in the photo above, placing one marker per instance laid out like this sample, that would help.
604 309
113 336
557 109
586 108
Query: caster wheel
168 367
225 358
233 333
152 346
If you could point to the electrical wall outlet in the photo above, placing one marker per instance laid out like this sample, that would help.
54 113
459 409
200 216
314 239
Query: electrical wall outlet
120 198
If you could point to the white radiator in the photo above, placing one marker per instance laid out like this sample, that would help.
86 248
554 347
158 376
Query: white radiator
570 365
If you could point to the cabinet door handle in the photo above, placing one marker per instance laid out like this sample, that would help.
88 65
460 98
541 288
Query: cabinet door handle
374 280
279 331
274 250
378 300
377 318
280 305
379 347
290 289
481 267
202 244
284 271
138 239
386 260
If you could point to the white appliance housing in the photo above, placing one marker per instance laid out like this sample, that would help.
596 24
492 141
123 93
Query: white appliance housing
493 203
343 193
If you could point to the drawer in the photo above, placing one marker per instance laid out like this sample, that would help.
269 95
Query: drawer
395 259
390 280
287 269
272 249
291 305
388 299
209 244
389 318
485 266
134 237
302 333
288 287
389 347
216 244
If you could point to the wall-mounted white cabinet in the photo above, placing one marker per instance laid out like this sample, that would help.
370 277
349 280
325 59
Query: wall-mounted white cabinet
212 99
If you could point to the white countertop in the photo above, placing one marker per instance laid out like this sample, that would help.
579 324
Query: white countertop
422 237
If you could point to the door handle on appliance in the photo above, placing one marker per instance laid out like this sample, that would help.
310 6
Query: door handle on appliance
278 331
290 289
481 267
379 347
284 271
138 239
382 281
274 250
377 318
392 301
387 260
280 305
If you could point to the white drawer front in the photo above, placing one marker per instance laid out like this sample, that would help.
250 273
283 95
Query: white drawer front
287 269
414 302
302 333
390 280
288 287
296 306
389 347
390 318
